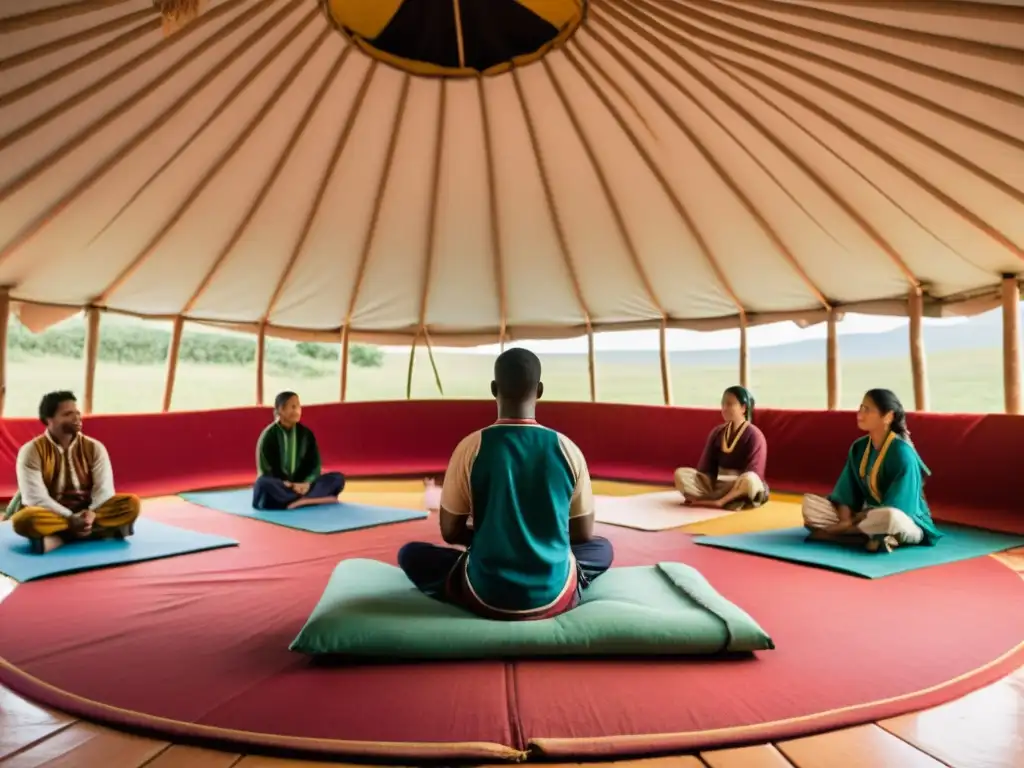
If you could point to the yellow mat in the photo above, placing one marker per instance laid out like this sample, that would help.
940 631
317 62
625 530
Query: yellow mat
394 499
771 517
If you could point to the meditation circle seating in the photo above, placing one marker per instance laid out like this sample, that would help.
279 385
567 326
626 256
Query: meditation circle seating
216 645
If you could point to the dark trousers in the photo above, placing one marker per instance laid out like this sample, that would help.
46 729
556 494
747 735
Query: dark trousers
428 565
271 493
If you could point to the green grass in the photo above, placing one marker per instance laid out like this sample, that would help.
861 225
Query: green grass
969 381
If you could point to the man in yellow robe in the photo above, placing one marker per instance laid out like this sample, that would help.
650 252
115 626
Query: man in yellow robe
66 483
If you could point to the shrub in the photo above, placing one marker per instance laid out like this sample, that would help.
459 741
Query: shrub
139 345
366 356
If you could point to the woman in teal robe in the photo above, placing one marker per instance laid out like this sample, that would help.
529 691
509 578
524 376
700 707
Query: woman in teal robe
878 500
288 462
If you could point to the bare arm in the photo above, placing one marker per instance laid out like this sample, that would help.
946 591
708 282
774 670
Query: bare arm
455 529
34 492
581 529
456 495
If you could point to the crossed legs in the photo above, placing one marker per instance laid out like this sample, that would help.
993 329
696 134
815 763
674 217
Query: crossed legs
47 530
272 493
743 492
876 528
428 566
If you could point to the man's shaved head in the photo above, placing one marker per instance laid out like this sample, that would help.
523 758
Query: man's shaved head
517 376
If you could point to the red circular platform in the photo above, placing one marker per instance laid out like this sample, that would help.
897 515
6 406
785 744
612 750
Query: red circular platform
197 647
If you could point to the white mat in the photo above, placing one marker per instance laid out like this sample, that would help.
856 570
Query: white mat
651 511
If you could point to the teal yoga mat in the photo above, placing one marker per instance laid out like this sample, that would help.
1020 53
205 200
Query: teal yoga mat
326 518
152 541
959 543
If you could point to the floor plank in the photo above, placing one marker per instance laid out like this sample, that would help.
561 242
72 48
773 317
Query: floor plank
761 756
1013 559
866 746
680 761
7 585
87 746
675 761
255 761
23 723
192 757
984 729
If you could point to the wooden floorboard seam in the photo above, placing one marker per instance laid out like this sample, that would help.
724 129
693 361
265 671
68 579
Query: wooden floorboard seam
33 744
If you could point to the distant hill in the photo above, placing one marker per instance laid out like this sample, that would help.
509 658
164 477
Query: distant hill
981 332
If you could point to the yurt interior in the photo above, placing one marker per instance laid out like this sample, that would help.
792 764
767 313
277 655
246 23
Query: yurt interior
482 382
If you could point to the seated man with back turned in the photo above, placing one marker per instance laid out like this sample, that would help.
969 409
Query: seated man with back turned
66 483
531 549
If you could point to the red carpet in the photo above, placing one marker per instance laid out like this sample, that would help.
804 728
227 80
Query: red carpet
197 646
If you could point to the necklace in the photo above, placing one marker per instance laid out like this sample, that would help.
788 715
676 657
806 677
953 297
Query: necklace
730 447
873 479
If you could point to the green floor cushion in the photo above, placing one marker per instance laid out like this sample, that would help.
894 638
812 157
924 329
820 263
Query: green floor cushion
371 609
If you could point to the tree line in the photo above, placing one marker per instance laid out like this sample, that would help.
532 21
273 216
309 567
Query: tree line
141 345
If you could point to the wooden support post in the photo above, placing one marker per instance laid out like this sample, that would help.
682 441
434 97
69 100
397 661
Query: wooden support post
591 364
918 361
172 361
92 348
261 357
344 364
832 365
433 363
5 317
1011 344
666 370
412 365
744 353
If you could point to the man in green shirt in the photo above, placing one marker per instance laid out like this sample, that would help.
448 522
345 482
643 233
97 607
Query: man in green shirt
288 462
518 496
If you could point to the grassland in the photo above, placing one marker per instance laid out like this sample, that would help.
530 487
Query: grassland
964 381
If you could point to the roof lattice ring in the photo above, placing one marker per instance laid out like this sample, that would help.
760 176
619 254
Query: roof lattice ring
456 38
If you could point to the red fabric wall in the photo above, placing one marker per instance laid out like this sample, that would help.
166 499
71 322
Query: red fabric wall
973 458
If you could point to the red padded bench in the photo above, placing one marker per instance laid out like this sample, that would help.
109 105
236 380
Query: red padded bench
973 457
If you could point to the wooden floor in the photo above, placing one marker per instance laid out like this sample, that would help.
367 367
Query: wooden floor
982 730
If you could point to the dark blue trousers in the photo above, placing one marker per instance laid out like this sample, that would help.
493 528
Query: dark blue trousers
270 493
428 565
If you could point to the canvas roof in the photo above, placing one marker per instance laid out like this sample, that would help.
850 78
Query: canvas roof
686 162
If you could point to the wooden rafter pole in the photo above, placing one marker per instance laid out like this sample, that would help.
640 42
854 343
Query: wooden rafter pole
261 358
744 353
344 364
173 352
433 363
666 370
591 364
5 317
918 360
412 366
1011 344
832 363
92 348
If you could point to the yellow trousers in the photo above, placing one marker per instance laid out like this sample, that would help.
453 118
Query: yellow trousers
36 522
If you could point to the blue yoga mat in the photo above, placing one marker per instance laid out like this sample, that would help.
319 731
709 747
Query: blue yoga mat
959 543
326 518
152 541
